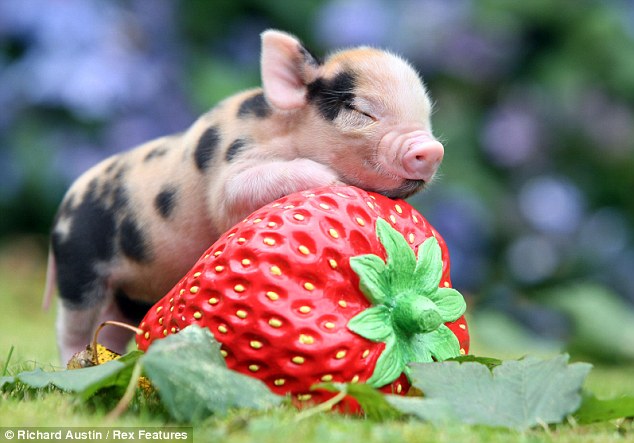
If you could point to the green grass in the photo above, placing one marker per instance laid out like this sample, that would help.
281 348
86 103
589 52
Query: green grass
30 331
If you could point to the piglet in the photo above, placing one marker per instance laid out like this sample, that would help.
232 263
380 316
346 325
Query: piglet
131 226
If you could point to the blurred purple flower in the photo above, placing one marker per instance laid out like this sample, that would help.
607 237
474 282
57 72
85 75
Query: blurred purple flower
603 236
608 123
445 36
476 57
553 205
355 22
513 134
81 54
532 259
425 26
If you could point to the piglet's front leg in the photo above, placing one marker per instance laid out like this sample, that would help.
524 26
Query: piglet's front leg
264 182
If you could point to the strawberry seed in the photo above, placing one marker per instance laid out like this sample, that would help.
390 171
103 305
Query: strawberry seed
306 339
309 286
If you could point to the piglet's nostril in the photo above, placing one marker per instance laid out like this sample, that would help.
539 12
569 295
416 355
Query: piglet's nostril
423 158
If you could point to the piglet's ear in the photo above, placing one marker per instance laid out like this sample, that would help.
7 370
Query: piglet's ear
286 69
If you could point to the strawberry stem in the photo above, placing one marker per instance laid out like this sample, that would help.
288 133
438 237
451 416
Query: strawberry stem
414 314
103 325
409 308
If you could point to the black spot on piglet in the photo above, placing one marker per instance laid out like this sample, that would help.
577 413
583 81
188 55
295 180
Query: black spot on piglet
134 310
90 241
309 57
255 105
332 95
155 153
234 149
165 201
132 242
207 145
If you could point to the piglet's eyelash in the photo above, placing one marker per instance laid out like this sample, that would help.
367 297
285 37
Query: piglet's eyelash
353 108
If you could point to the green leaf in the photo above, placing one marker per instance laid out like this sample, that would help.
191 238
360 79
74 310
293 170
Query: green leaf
401 260
441 344
370 269
450 303
373 402
487 361
85 381
594 410
516 394
7 381
373 323
389 366
193 381
5 367
429 265
421 351
131 357
437 411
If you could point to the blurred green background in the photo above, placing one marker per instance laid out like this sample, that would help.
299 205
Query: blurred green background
534 103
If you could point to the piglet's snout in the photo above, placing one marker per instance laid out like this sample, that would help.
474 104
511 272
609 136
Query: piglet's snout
414 155
422 157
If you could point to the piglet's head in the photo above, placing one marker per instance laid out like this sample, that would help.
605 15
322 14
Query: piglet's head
363 112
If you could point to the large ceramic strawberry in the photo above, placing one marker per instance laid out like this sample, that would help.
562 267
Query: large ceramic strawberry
330 285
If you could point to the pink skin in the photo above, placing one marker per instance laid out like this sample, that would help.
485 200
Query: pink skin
75 329
264 182
411 156
422 157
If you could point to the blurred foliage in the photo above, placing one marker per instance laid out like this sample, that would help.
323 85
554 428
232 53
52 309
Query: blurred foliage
534 102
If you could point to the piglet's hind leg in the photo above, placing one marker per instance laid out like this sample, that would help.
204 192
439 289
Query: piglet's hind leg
75 328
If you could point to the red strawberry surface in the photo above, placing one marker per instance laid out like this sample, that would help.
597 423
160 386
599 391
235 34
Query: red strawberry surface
322 286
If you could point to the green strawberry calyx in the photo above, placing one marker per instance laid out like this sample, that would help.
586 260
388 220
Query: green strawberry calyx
409 309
